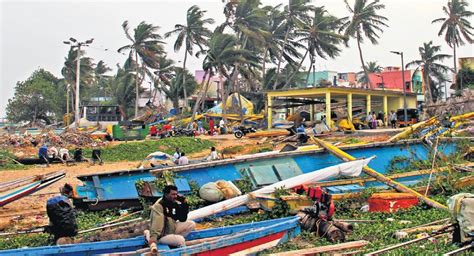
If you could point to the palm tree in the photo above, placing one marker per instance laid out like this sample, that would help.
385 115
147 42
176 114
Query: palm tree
101 78
122 87
432 70
320 37
278 45
146 45
456 25
194 33
364 22
174 91
372 67
297 14
86 72
250 23
163 76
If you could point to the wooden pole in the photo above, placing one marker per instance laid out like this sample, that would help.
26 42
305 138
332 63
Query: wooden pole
325 249
371 172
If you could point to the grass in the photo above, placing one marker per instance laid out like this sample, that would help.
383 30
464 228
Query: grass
135 151
85 220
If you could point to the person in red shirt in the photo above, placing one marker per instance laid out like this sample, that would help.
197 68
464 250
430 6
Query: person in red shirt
211 126
153 131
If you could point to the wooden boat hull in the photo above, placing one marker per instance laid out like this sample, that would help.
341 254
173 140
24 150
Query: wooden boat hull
30 188
265 169
244 238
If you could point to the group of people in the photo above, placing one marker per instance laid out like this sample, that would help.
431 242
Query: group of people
374 120
49 154
180 158
197 126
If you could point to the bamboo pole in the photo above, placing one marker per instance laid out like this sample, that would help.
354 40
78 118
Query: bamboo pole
371 172
325 249
469 246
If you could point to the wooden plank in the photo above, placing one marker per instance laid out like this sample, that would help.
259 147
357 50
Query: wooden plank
325 249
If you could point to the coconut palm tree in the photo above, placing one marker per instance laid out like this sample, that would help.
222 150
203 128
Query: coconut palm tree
297 14
364 22
174 91
86 72
320 36
372 67
278 45
456 25
193 33
146 46
432 69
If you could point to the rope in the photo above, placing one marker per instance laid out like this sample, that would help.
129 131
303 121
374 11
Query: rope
432 166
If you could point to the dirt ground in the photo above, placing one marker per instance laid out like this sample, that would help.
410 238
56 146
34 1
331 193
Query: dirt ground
31 210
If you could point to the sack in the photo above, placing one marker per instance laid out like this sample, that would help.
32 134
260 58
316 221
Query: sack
461 207
228 189
210 192
217 191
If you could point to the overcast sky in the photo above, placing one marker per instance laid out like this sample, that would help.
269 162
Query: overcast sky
32 33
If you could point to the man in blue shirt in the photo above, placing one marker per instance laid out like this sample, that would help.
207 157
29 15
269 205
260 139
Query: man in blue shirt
43 153
62 215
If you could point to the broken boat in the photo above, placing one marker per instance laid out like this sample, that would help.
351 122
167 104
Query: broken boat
244 238
117 189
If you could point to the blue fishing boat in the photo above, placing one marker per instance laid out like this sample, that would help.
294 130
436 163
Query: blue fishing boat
246 238
117 189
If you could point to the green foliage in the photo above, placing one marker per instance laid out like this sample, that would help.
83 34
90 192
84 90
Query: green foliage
134 151
6 161
85 220
281 208
175 91
30 240
244 184
37 100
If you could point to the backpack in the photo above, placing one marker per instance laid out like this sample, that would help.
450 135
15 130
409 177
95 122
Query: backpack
62 217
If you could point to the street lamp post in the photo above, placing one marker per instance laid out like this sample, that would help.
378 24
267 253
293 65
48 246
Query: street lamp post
75 44
404 89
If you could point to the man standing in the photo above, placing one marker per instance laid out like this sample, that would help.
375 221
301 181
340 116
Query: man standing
168 219
61 214
222 126
393 119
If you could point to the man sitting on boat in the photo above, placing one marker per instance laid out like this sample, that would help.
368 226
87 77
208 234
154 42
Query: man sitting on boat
61 214
168 219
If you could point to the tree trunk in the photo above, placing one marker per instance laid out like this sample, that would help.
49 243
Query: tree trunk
176 103
184 80
309 71
297 69
137 91
205 92
198 99
428 84
285 41
363 63
263 69
455 67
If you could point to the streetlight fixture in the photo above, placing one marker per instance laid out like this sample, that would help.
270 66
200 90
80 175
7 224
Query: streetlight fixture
75 44
404 89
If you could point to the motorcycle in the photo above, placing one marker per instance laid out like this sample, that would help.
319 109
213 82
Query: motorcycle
241 131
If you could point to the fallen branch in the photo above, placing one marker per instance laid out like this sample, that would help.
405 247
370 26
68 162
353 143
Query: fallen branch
467 247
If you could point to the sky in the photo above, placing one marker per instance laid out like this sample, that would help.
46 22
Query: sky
32 33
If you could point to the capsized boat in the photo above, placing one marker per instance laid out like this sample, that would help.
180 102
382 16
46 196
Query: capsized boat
117 189
23 187
244 238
